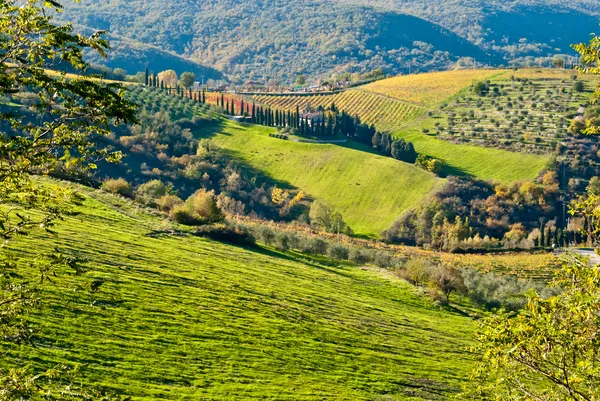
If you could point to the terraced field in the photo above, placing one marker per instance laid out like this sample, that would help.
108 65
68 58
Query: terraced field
186 318
431 88
373 108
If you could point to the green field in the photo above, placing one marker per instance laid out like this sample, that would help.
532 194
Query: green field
185 318
485 163
369 190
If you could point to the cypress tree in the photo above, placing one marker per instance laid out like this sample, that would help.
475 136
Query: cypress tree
542 235
146 81
253 113
227 107
289 118
203 97
243 113
297 117
232 107
222 99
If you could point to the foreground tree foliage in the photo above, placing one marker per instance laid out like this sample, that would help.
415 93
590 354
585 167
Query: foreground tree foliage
549 351
590 59
71 114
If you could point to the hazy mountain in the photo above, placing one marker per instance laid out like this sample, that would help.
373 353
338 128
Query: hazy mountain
281 38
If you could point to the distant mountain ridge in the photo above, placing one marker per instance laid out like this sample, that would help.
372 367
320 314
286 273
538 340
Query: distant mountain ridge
279 39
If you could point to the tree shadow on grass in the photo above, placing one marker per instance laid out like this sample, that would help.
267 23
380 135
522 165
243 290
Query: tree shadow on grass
328 266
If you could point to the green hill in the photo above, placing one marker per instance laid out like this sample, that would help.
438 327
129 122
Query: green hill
368 189
485 163
423 93
180 317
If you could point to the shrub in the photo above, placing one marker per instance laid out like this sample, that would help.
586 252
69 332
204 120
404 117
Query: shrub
183 215
357 256
118 186
200 208
337 252
166 203
282 241
416 271
266 235
149 192
383 260
203 205
236 235
315 246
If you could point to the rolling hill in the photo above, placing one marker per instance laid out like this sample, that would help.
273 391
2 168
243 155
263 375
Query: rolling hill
401 105
276 40
368 189
181 317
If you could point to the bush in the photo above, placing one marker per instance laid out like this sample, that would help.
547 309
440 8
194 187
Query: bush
149 192
357 256
203 205
282 241
266 236
166 203
236 235
118 186
183 215
200 208
416 271
315 246
337 252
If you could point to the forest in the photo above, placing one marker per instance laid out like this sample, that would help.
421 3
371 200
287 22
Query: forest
277 41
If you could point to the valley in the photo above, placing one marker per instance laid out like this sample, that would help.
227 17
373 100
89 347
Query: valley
338 200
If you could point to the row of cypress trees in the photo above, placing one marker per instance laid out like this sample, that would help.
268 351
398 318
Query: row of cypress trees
326 124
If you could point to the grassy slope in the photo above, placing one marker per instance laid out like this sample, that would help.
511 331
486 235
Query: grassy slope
188 318
485 163
370 190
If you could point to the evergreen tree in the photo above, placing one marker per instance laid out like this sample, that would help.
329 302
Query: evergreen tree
376 141
222 99
243 111
146 77
289 118
329 126
232 107
253 113
297 117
